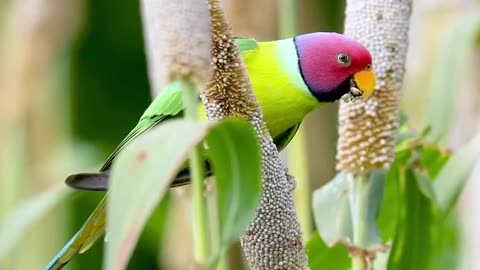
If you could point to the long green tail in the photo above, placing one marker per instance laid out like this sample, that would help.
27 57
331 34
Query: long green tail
91 230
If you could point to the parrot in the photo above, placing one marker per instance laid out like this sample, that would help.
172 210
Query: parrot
290 78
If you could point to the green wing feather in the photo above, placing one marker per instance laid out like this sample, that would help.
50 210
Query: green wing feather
282 140
246 44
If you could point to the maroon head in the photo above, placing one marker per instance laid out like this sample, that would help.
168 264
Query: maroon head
333 65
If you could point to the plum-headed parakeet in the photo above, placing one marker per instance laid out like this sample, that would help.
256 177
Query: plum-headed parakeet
290 78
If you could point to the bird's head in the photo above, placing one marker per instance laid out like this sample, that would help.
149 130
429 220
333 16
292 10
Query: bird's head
333 65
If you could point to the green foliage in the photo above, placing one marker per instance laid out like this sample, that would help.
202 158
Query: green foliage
387 217
24 216
424 237
448 71
451 179
145 169
334 213
331 211
320 256
235 157
411 242
421 188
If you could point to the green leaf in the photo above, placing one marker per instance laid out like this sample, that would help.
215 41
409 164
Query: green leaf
321 257
451 179
426 187
387 218
375 197
403 155
432 159
146 167
235 156
140 177
411 245
447 73
333 213
446 242
24 217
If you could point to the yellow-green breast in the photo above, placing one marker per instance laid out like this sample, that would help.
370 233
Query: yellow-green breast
278 85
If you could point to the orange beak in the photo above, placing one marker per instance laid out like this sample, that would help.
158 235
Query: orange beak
365 81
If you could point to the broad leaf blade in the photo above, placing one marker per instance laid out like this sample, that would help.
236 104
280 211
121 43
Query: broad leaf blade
333 212
388 214
411 246
145 169
235 156
321 257
433 158
140 177
426 187
446 74
376 190
451 179
26 215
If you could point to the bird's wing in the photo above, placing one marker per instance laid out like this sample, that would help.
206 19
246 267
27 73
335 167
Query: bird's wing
168 104
282 140
246 44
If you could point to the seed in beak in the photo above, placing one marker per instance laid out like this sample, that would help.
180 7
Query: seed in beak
356 92
353 95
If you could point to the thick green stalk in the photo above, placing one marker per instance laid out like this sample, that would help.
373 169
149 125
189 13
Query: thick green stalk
359 205
197 172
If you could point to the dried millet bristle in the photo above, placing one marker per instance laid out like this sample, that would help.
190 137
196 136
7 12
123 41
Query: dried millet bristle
368 129
273 240
229 87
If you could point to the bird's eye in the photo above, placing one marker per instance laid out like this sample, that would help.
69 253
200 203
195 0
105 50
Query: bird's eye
343 59
368 67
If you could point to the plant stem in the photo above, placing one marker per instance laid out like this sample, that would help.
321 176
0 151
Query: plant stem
297 163
223 262
287 10
359 205
359 263
197 173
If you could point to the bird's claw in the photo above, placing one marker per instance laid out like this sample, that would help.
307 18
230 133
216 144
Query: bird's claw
292 182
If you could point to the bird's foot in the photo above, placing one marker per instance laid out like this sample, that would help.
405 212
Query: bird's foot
292 182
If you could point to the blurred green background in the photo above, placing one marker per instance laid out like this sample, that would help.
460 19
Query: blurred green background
73 82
